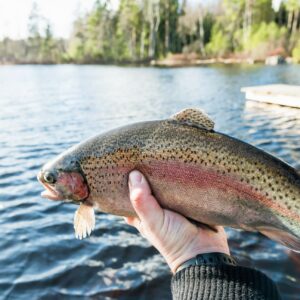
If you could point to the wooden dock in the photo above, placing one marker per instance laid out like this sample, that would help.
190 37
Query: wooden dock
280 94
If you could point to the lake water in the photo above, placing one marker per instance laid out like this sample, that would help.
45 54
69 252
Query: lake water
46 109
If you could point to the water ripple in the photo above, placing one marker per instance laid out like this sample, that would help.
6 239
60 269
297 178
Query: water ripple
55 107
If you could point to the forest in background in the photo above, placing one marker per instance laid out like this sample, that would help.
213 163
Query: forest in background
139 31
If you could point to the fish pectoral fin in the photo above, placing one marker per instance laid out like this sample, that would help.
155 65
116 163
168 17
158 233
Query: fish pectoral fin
194 117
84 221
285 238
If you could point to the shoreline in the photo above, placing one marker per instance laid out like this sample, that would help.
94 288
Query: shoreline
169 62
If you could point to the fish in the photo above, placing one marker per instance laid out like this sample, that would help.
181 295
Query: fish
207 176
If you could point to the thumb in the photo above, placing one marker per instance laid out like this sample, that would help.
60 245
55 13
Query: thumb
145 205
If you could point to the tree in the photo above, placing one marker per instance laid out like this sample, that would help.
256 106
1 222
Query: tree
293 8
129 21
152 14
169 20
34 21
76 47
141 30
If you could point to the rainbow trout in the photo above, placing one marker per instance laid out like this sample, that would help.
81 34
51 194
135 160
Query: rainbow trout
205 175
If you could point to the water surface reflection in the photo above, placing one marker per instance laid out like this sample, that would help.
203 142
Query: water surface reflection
46 109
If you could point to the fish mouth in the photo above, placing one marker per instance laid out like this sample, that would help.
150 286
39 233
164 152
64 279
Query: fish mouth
51 193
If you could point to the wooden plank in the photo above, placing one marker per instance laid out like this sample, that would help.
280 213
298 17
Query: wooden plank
281 94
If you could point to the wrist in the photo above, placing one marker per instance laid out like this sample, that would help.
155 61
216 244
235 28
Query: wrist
176 261
215 259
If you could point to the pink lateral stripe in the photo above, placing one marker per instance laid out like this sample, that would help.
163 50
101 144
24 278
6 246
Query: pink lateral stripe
200 177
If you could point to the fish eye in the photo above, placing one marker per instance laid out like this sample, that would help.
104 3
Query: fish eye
49 177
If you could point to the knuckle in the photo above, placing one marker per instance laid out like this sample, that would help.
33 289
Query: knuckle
137 195
137 199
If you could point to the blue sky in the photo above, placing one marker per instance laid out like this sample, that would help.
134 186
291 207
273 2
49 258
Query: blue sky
61 13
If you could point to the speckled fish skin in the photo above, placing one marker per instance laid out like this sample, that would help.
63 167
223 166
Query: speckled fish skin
205 175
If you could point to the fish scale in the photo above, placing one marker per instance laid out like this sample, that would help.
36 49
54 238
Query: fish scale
205 175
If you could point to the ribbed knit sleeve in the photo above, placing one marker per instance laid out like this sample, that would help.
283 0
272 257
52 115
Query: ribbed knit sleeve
222 282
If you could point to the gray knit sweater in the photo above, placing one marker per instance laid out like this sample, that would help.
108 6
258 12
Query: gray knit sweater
222 282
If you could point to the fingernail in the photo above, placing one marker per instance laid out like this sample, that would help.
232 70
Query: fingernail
135 178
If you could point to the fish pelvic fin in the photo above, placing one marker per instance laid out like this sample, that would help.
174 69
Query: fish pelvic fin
285 238
194 117
84 221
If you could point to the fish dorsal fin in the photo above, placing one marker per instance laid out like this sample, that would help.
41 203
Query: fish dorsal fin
194 117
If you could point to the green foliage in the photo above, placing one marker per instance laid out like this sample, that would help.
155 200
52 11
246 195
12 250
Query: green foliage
292 5
265 38
208 23
265 33
296 53
127 30
141 30
262 11
219 44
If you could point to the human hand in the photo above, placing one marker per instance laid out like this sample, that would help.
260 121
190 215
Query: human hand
170 233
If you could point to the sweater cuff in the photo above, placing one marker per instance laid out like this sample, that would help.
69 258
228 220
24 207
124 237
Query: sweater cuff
222 282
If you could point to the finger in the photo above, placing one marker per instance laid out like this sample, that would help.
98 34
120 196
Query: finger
221 231
132 221
219 228
128 220
145 205
135 222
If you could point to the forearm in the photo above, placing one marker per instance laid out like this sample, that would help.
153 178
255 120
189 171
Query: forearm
222 282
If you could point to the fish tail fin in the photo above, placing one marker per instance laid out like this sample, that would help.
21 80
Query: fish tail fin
283 237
